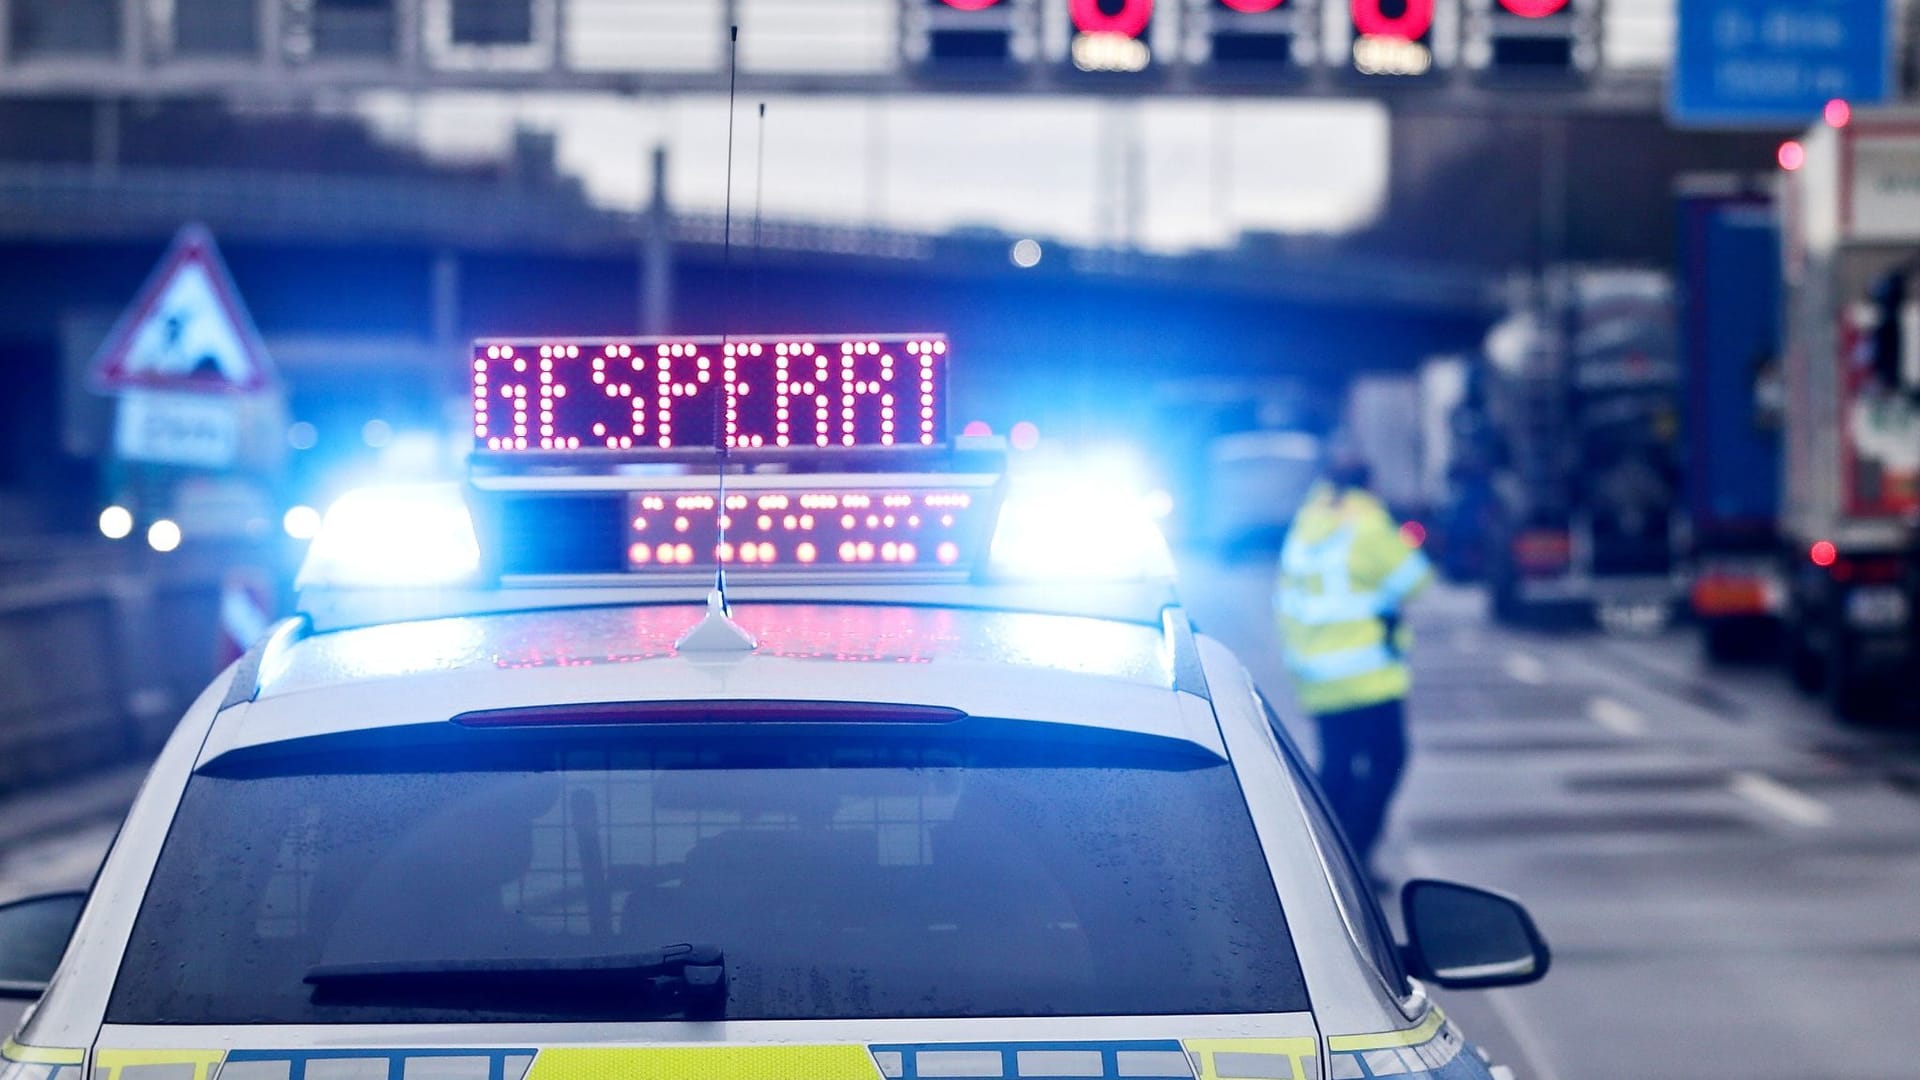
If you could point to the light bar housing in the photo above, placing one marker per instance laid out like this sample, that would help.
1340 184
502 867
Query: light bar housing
604 529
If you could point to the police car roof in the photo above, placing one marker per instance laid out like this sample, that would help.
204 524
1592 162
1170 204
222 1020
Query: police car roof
1043 668
1139 602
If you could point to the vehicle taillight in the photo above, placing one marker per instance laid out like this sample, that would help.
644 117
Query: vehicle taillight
1542 549
1872 571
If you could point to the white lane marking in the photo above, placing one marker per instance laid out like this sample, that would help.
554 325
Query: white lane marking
1524 1036
1616 717
1781 801
1524 668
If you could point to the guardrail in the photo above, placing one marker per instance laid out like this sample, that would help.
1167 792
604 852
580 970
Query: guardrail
96 667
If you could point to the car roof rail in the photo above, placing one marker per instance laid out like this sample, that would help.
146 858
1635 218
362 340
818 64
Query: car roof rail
277 639
1188 673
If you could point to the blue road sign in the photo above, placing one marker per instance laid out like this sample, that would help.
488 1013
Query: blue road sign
1764 63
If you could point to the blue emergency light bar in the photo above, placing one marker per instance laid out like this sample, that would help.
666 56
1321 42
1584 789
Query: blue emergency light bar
596 474
777 524
653 397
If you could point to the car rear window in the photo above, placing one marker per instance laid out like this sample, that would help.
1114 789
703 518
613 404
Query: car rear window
849 873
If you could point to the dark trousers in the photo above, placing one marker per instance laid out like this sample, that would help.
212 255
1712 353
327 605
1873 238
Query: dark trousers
1362 753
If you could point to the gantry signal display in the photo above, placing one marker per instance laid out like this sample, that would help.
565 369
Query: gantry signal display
1251 42
1254 40
1392 37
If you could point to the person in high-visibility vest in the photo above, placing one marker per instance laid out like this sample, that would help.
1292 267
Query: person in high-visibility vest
1345 573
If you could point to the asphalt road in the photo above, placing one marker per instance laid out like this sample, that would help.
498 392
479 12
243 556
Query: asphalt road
1730 881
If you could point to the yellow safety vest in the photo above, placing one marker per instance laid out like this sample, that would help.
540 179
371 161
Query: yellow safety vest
1343 569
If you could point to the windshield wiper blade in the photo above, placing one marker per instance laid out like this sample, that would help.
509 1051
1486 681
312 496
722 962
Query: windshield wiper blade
686 976
666 960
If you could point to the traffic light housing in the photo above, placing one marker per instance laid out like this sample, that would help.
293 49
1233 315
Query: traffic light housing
1240 40
968 39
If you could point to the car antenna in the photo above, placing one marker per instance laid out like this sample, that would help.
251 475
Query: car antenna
717 632
759 189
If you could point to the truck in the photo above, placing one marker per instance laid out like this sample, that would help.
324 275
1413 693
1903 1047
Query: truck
1453 493
1850 521
1571 419
1728 245
1382 420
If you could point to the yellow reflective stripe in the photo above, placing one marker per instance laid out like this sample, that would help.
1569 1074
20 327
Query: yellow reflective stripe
1333 637
705 1063
1252 1059
107 1063
1342 663
1413 1036
1387 684
1310 610
42 1055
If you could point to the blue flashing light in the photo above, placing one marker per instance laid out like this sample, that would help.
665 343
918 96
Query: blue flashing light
1078 525
403 535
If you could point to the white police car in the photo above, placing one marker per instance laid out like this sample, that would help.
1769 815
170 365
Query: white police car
955 791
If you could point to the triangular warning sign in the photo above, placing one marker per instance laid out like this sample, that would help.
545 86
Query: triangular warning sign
186 330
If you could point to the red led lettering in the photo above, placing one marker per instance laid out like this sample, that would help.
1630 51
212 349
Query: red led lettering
1533 9
1415 19
803 396
882 527
1090 17
866 371
662 395
737 387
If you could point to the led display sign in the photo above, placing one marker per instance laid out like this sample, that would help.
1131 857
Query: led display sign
1255 38
1392 37
1532 37
967 38
937 528
1110 35
642 395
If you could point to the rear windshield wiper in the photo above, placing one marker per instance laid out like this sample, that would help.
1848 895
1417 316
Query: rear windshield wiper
689 978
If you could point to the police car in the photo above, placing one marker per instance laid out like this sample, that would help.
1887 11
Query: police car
938 782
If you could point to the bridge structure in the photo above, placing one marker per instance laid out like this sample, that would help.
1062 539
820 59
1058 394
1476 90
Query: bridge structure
1477 54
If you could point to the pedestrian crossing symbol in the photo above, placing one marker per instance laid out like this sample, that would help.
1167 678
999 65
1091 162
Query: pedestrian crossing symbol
187 329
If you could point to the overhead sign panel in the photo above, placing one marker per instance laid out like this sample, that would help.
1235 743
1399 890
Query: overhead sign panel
1393 38
969 38
187 329
1760 63
1111 35
1532 39
1254 40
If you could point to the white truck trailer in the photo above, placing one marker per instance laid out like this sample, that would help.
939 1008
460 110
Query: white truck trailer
1851 505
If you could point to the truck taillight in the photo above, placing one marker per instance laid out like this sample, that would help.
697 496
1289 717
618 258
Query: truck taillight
1880 570
1823 553
1723 595
1542 549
